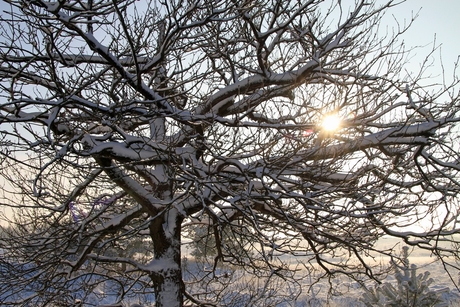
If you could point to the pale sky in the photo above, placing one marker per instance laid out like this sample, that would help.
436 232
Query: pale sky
436 18
440 17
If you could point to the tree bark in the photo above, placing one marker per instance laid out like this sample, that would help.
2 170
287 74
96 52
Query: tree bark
165 269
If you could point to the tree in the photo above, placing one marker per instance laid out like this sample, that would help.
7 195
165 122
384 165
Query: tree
126 119
411 290
206 240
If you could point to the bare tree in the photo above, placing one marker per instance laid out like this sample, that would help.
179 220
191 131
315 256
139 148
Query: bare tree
134 121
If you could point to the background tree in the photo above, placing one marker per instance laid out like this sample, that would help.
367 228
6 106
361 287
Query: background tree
134 119
205 241
411 289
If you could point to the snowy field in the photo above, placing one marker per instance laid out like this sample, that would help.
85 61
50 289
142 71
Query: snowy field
351 292
347 293
244 291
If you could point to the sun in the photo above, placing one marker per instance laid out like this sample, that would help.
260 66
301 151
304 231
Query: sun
331 122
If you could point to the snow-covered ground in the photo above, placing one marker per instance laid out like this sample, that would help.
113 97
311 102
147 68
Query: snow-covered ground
345 292
349 293
245 291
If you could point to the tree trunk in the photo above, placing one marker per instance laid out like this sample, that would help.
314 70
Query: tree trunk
165 269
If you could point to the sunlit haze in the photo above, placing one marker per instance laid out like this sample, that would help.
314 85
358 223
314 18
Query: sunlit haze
331 122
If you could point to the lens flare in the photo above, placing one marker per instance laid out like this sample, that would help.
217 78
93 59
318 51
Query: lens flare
331 122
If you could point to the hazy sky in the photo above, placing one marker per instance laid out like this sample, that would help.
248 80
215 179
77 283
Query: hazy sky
440 17
437 19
